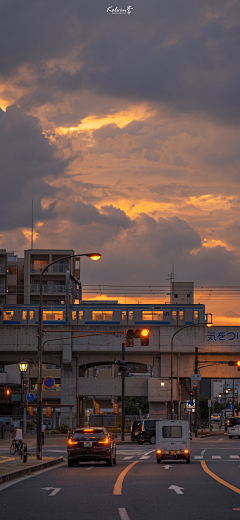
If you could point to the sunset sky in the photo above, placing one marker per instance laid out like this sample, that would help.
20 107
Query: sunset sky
125 132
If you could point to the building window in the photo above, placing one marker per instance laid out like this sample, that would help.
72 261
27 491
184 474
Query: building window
102 315
181 315
80 315
8 315
195 313
31 315
39 265
124 315
24 315
12 270
130 315
74 315
152 315
175 295
174 315
12 289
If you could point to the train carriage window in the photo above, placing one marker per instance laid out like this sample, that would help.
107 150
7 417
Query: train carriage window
181 315
102 315
80 315
74 315
124 315
31 315
47 316
8 315
24 315
174 315
57 315
195 314
152 315
130 315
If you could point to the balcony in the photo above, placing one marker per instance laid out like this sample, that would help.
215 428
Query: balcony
48 289
2 269
54 269
2 289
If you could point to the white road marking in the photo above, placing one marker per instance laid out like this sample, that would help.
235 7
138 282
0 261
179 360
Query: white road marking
216 457
177 489
167 466
198 457
5 485
234 456
6 459
144 457
54 492
127 458
202 452
123 513
58 451
148 452
91 467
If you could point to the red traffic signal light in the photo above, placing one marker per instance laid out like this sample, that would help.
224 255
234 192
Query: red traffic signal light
130 334
7 392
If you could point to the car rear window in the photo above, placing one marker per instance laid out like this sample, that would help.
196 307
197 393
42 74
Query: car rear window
83 434
171 432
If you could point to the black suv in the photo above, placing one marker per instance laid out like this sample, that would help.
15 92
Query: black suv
144 431
91 444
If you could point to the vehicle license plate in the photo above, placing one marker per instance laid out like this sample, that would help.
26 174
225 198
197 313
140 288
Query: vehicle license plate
87 444
172 452
135 433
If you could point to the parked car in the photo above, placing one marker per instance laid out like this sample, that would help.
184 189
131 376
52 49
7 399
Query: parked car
91 444
144 431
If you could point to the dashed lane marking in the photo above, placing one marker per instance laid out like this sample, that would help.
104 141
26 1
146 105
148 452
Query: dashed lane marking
234 456
145 457
127 458
198 457
216 457
123 513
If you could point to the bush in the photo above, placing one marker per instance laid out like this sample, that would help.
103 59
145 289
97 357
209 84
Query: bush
30 425
63 428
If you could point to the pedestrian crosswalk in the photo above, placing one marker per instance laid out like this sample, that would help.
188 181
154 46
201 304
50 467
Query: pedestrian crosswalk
217 457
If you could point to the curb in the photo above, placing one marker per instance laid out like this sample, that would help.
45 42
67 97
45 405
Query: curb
27 471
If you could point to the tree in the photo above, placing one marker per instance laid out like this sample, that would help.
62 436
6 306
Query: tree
134 404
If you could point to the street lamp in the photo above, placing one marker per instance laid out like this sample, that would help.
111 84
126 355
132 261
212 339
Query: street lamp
93 256
208 323
23 366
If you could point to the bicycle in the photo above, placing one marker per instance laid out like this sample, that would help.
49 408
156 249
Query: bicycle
18 447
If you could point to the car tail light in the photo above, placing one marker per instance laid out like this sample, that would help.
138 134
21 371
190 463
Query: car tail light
104 441
185 451
159 451
70 442
88 430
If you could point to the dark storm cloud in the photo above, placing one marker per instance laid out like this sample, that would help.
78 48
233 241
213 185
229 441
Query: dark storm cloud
26 160
184 54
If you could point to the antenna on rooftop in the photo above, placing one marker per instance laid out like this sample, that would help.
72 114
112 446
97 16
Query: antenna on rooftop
171 276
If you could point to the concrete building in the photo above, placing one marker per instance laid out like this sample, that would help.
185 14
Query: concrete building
8 277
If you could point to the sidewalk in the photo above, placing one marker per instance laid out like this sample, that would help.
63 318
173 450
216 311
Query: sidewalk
12 466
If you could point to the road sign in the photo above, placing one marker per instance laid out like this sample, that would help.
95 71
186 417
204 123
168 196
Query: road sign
48 382
196 377
190 404
195 384
30 397
231 406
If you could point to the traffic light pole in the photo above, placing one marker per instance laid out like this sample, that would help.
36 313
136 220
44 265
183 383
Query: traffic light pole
123 393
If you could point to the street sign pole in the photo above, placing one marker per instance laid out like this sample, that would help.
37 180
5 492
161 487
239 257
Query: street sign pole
123 393
209 413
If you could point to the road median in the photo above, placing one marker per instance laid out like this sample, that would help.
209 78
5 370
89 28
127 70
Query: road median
28 470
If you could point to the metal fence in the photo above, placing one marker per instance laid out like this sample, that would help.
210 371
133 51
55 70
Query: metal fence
110 420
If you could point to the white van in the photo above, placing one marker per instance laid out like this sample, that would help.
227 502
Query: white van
172 440
233 424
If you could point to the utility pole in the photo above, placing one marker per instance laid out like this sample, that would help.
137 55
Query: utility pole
123 392
233 411
196 393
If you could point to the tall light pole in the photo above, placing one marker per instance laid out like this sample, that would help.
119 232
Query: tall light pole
208 324
93 256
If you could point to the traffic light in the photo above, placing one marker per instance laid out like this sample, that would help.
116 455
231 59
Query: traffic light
7 393
234 364
130 334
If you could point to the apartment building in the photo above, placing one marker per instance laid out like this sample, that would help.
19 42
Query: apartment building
54 278
8 277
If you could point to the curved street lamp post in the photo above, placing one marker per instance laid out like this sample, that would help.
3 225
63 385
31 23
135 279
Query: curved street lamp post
93 256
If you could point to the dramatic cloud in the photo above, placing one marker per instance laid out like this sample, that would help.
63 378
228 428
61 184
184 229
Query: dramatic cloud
124 129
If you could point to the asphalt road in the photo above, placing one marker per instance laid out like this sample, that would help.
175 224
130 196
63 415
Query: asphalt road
96 491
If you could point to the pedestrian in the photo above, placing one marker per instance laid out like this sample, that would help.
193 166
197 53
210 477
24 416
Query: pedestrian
43 432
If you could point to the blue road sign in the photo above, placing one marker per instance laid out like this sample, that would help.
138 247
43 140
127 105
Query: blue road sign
190 403
231 406
30 397
49 382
